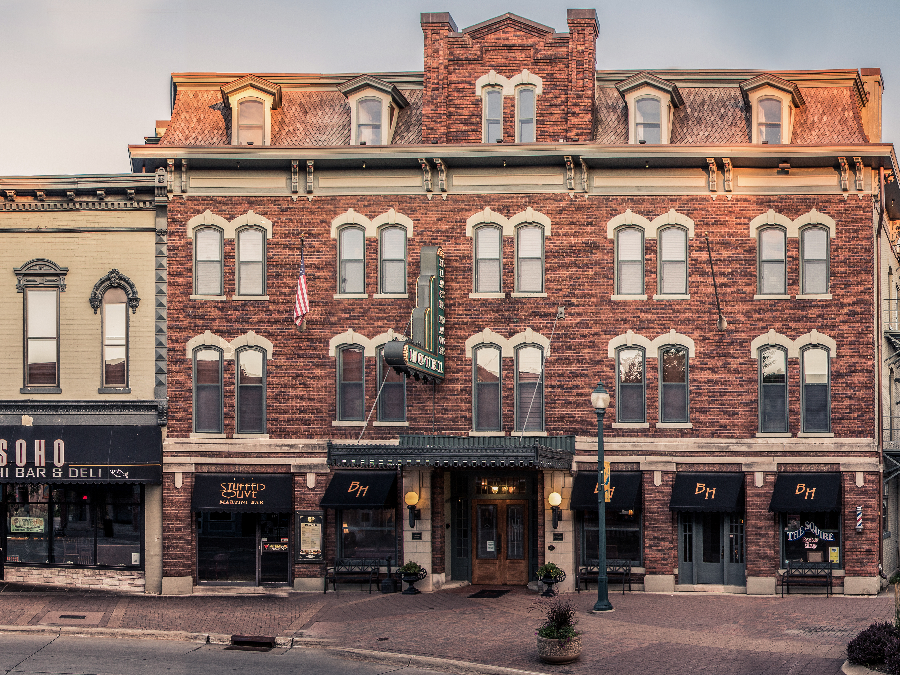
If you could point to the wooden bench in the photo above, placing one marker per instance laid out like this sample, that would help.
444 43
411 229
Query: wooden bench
801 573
619 570
358 570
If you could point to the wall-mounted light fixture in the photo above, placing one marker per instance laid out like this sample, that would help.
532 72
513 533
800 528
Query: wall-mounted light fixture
411 499
555 499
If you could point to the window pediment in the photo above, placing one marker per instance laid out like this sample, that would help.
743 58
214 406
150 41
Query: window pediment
252 100
114 279
41 273
773 103
374 109
651 103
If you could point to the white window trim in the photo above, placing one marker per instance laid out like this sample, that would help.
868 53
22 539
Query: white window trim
813 337
248 339
251 93
389 114
787 112
518 90
351 337
793 227
666 112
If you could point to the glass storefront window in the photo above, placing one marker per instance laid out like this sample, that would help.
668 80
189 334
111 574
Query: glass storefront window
485 485
623 537
75 526
368 533
811 537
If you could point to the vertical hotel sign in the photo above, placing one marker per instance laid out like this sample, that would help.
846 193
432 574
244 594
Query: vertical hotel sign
423 356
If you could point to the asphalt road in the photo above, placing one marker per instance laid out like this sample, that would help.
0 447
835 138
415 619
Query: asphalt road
39 655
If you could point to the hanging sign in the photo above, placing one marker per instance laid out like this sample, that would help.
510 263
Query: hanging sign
423 356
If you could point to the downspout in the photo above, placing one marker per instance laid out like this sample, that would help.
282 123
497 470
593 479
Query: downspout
879 337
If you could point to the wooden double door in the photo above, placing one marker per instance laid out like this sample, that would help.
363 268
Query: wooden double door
500 546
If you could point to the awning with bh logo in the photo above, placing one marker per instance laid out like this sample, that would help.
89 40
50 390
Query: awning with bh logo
717 492
625 487
361 490
806 492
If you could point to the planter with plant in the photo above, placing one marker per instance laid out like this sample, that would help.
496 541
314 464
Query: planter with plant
411 572
549 574
557 639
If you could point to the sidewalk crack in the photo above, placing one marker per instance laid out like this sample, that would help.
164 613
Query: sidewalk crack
32 655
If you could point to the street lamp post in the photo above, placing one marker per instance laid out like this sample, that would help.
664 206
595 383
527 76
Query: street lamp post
600 402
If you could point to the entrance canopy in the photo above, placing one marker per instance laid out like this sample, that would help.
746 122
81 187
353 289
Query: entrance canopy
361 490
707 492
806 492
625 486
246 492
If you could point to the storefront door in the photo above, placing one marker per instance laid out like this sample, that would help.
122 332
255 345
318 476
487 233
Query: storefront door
500 553
244 548
711 549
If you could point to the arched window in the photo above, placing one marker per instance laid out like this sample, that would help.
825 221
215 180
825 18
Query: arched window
529 388
629 261
530 259
773 391
351 253
251 391
673 387
488 250
772 274
251 261
208 261
525 123
392 260
492 104
368 121
647 120
630 391
351 383
251 123
769 121
208 390
673 275
392 399
814 273
486 388
115 339
42 337
816 392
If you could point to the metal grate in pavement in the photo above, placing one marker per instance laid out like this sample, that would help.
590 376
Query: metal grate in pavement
489 593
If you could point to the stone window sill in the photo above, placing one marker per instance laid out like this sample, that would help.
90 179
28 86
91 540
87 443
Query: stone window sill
114 390
815 434
348 423
205 435
479 296
262 436
350 296
785 434
630 425
674 425
621 298
814 296
672 296
208 297
249 297
486 433
390 424
40 390
526 434
771 297
391 296
528 295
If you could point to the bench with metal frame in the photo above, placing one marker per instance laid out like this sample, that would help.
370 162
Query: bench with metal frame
802 573
615 569
356 570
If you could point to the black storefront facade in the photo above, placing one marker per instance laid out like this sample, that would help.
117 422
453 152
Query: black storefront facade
82 502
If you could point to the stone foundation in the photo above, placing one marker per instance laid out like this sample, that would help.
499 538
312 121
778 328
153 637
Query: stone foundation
113 580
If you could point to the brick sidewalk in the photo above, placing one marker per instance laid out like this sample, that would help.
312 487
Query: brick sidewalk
685 633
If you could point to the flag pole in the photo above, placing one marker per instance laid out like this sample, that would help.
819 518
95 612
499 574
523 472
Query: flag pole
301 301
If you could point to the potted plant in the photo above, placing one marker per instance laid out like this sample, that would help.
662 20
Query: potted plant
557 639
411 572
549 574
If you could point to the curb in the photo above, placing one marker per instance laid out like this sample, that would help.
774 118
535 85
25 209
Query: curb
853 669
76 631
462 667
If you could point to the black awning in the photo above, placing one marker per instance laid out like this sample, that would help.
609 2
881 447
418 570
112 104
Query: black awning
247 492
361 490
625 486
806 492
699 492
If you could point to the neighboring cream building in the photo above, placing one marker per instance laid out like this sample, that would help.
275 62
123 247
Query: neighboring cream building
82 380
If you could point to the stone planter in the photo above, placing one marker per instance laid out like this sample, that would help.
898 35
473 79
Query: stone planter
559 651
411 579
549 591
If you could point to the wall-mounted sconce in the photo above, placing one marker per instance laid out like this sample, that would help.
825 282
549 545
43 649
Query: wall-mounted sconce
555 500
411 499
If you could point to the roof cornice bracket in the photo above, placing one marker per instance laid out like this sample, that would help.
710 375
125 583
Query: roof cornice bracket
713 174
845 174
570 173
295 176
726 161
442 174
309 176
426 175
857 161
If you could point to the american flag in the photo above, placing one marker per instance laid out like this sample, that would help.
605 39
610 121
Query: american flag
301 300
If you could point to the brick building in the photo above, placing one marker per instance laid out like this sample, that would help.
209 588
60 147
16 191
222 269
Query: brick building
483 242
82 380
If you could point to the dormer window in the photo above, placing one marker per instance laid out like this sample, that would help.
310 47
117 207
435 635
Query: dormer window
651 103
252 100
251 122
493 114
525 100
368 121
769 121
647 120
374 108
772 102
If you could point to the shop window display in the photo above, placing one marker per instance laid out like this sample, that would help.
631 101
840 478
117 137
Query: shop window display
623 537
368 533
811 537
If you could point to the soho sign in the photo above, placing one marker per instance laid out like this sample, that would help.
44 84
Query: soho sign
40 457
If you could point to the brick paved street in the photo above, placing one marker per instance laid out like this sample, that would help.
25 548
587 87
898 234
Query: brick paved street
647 633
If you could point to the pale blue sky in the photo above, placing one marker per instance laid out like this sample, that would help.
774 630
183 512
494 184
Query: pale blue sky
84 78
